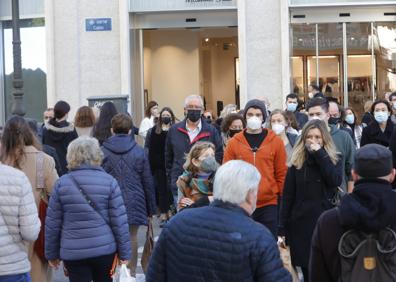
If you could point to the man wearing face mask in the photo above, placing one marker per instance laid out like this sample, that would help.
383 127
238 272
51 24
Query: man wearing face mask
318 108
335 119
183 135
266 151
291 106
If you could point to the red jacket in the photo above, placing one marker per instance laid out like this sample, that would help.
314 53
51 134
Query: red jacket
269 159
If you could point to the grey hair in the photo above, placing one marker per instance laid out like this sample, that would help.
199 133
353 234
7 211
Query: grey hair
84 150
234 180
193 97
228 109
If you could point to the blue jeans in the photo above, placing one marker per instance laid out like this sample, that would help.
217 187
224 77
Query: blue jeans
24 277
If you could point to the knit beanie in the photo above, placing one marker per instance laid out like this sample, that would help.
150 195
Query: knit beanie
255 103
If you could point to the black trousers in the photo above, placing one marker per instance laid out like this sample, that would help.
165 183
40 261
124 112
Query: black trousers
268 216
164 194
96 269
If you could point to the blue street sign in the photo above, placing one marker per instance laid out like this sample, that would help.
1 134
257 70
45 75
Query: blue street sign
102 24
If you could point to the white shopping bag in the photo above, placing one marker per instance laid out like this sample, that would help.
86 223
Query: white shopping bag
123 275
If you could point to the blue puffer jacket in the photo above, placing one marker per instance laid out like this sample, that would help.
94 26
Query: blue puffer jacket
216 243
74 230
126 161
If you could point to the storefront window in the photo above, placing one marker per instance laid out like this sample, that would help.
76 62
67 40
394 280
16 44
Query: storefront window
360 70
304 45
385 56
33 67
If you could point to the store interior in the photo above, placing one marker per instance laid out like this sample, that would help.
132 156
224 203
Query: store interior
181 62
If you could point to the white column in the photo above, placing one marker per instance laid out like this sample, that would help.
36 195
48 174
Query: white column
262 26
81 63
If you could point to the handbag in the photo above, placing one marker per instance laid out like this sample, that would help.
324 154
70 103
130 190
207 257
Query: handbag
39 244
148 246
92 204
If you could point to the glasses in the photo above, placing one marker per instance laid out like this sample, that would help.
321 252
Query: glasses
47 118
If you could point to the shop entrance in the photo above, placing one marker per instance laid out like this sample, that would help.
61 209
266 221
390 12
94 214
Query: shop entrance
181 62
351 60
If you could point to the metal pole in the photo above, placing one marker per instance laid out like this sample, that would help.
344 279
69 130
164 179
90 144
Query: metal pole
345 55
317 54
17 107
373 67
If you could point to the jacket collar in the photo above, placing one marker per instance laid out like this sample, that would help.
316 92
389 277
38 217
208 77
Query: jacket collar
228 206
30 149
87 167
375 129
64 127
204 132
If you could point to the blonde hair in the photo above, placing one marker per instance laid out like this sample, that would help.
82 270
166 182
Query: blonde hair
195 153
299 155
84 150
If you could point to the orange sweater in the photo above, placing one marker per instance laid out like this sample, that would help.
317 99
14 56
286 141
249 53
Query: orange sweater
270 160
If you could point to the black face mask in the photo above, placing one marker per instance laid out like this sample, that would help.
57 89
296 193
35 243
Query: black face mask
232 132
194 115
333 120
166 120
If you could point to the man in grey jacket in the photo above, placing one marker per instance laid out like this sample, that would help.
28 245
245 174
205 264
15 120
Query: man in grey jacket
19 223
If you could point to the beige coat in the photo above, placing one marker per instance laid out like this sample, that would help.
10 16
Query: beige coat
40 271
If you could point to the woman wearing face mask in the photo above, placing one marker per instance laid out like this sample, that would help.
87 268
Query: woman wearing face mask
351 122
231 125
156 153
195 184
380 130
279 123
149 118
313 176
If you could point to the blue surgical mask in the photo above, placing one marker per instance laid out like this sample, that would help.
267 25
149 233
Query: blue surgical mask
381 117
350 119
291 107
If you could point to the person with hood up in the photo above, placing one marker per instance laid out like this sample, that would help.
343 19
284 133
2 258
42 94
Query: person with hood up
126 161
369 208
265 150
58 132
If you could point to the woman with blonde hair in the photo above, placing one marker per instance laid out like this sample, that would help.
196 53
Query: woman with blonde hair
21 150
195 185
315 172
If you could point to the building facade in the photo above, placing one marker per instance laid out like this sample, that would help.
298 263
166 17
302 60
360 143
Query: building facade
228 51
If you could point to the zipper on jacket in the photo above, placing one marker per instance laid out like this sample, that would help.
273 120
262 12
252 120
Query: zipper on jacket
254 150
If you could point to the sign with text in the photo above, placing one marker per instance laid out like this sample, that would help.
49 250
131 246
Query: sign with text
102 24
179 5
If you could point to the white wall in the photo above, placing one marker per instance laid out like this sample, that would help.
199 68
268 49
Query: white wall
81 63
174 67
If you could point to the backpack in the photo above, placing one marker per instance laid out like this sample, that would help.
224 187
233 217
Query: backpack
368 256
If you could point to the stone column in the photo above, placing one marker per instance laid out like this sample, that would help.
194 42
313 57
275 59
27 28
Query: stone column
263 50
86 63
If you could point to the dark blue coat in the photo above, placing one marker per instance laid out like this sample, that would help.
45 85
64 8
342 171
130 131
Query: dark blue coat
216 243
178 145
74 230
126 161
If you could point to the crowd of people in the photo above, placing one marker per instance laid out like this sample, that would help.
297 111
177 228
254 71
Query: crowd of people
230 193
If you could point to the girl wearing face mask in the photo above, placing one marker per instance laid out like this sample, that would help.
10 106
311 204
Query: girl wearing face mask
380 130
231 125
195 185
156 153
312 178
150 114
279 123
350 121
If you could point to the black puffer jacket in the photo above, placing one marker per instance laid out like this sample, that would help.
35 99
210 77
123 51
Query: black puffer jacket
372 134
370 207
59 135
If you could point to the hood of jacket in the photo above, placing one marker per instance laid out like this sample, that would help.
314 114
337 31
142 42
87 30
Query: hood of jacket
57 129
370 207
120 143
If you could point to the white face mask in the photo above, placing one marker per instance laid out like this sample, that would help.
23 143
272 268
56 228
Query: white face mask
278 128
314 117
394 105
254 123
310 95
